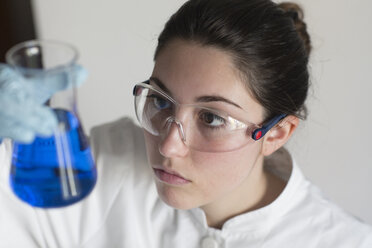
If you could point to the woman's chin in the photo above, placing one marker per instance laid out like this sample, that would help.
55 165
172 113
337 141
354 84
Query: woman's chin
175 197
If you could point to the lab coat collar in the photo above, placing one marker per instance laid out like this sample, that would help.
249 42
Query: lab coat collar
260 221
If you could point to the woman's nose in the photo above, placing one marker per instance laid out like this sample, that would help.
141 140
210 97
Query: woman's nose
172 143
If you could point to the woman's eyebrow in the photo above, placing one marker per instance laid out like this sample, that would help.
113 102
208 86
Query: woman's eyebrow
160 84
208 98
214 98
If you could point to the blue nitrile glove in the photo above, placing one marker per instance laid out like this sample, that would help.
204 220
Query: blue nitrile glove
22 113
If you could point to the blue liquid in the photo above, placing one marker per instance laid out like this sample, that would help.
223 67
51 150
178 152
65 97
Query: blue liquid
42 178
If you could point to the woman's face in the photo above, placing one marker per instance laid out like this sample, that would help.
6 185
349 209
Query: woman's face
188 71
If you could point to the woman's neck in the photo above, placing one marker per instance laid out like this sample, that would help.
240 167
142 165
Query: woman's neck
258 190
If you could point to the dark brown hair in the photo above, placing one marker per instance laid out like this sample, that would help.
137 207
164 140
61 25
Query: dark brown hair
268 43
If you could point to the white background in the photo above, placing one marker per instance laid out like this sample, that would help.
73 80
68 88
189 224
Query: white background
117 38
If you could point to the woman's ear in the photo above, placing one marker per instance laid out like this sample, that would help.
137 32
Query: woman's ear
279 135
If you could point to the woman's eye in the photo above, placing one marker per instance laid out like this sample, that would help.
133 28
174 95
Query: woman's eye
161 103
211 119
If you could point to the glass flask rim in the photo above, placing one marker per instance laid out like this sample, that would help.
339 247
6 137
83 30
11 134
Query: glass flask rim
31 43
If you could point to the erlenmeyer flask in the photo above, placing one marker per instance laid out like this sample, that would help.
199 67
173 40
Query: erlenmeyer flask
58 170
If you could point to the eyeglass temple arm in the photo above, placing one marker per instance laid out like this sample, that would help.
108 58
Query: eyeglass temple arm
260 132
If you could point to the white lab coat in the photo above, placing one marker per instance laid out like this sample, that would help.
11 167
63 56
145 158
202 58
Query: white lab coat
125 211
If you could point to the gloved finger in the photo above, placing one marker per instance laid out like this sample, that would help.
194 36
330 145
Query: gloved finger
5 69
37 117
39 86
59 79
14 87
17 133
10 80
41 119
25 131
20 133
43 86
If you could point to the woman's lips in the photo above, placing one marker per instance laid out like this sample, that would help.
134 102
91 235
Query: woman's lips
170 177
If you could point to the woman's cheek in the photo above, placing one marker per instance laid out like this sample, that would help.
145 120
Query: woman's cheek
216 171
219 172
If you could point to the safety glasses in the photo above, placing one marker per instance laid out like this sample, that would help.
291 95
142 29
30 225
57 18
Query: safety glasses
202 128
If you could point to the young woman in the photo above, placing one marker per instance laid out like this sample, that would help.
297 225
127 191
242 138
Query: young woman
208 168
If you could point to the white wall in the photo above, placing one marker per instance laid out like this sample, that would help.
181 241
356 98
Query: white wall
116 39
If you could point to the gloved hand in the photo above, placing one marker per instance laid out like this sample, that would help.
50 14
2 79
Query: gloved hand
22 113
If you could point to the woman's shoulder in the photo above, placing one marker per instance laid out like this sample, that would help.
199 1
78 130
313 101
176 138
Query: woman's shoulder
326 221
308 214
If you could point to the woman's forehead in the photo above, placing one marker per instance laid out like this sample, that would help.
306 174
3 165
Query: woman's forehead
189 68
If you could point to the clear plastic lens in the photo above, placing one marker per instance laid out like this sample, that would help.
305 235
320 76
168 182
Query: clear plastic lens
205 129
